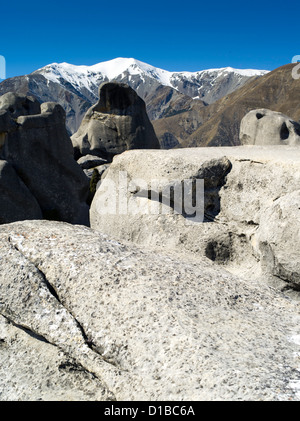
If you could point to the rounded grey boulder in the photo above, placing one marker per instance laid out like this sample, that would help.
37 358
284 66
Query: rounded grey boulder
266 127
116 123
18 104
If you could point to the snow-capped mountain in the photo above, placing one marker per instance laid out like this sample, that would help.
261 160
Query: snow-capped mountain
165 92
198 85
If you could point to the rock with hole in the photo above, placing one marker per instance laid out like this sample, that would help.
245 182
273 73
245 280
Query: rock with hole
266 127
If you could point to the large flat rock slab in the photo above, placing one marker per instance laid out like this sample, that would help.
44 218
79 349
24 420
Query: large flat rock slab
241 185
147 324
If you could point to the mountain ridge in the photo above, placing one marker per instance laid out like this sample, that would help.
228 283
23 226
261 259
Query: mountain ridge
165 93
114 68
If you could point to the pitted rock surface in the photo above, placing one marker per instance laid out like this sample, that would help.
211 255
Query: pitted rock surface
147 324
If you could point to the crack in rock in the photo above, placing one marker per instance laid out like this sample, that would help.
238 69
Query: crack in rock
55 294
30 301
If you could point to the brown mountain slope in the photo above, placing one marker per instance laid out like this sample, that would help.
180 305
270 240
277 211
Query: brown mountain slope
165 101
182 124
219 123
277 91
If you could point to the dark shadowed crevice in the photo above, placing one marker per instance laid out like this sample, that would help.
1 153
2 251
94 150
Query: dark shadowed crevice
284 132
54 294
214 173
27 330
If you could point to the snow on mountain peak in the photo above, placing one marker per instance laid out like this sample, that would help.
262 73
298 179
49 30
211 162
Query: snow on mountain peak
121 68
115 67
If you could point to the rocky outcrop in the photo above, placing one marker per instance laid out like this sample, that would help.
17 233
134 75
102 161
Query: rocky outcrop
75 102
86 317
266 127
241 187
17 203
278 237
17 105
118 122
36 144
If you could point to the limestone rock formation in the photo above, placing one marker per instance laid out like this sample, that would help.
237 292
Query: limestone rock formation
106 320
17 203
278 237
116 123
241 186
18 104
266 127
35 142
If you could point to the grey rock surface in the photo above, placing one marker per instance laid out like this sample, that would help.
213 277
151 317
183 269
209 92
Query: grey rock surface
90 161
266 127
117 122
32 369
17 203
18 104
241 185
147 324
279 238
75 102
40 151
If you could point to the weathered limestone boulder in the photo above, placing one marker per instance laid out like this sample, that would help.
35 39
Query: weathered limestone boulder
118 122
266 127
12 106
18 104
279 238
40 151
241 184
137 324
17 203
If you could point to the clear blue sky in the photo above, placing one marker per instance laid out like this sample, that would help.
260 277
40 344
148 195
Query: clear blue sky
186 35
